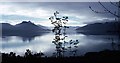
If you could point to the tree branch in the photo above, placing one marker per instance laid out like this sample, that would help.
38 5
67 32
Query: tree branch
108 10
117 5
103 12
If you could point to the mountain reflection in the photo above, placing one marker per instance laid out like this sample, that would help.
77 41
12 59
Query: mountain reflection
25 37
28 38
88 43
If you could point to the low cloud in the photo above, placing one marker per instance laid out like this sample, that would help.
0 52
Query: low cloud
39 12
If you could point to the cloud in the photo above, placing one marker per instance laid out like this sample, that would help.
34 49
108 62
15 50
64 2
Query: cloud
18 17
39 12
16 10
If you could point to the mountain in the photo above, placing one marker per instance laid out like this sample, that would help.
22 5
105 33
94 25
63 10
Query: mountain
44 27
100 28
7 26
22 29
71 30
28 26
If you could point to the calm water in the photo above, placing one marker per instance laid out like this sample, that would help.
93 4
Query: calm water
88 43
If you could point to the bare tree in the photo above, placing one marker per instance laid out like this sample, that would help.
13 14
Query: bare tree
106 10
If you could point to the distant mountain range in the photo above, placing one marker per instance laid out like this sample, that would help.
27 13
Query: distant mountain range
100 28
27 28
24 28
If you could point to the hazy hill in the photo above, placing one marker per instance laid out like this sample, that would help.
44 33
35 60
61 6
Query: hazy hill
23 29
7 27
44 27
100 28
28 26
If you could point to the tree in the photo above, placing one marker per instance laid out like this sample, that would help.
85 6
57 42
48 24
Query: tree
59 23
60 34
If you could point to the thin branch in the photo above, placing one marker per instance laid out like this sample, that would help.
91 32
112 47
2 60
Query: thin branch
103 12
114 4
108 10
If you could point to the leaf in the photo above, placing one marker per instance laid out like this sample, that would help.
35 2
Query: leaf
66 17
58 18
76 46
57 12
66 36
70 47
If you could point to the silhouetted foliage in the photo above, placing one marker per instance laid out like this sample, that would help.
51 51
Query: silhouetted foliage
60 30
105 56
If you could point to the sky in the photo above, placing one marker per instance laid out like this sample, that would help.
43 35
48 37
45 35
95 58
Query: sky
57 0
38 12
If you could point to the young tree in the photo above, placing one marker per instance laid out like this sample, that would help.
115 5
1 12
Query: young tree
60 33
59 23
73 47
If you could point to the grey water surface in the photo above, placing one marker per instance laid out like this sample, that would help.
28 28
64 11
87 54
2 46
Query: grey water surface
43 43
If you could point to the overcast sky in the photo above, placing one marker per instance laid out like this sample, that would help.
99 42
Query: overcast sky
58 0
38 12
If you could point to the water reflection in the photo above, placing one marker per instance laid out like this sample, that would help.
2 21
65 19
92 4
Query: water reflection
88 43
23 37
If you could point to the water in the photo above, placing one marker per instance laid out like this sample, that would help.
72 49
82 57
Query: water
43 43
